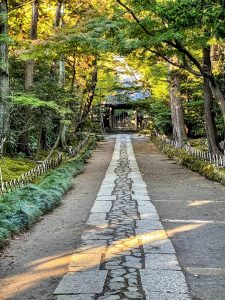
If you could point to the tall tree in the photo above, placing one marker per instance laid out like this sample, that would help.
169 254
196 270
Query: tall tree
208 105
90 97
29 72
4 73
177 113
62 70
166 24
24 137
59 23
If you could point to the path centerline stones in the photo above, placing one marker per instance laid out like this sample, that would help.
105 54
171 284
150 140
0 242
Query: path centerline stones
125 252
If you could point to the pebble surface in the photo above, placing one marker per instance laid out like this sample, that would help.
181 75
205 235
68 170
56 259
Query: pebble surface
125 252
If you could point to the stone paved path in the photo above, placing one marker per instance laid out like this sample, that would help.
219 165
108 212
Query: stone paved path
125 253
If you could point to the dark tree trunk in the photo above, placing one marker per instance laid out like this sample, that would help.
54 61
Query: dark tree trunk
219 97
23 143
177 113
44 139
91 93
4 75
73 76
57 141
58 14
208 105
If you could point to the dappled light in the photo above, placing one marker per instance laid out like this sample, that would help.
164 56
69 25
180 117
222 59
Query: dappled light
56 265
195 203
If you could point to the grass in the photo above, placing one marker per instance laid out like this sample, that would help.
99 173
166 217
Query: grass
23 207
182 157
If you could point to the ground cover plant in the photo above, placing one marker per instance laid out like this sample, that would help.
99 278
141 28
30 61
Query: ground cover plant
23 207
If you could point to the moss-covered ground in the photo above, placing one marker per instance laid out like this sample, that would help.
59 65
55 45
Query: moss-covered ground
22 207
200 144
12 168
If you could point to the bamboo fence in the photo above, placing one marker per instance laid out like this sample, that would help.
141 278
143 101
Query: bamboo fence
218 160
39 170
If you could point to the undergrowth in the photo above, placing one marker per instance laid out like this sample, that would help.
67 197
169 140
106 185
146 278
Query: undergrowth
181 156
24 206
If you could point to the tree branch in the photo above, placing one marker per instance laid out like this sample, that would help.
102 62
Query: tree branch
175 45
167 59
183 50
189 68
21 5
134 17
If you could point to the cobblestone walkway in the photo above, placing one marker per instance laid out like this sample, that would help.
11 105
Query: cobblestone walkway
125 252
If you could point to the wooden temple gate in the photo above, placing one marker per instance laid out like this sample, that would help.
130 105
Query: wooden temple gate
120 117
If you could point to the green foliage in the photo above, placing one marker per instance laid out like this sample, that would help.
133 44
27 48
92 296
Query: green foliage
161 117
104 29
34 102
21 208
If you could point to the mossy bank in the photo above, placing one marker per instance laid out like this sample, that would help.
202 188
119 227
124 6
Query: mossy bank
181 156
24 206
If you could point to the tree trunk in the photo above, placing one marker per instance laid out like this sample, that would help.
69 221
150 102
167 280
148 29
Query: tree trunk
58 14
23 139
44 138
29 72
59 23
57 141
210 123
219 97
89 100
63 135
62 73
177 113
29 80
4 75
39 133
73 76
209 118
62 70
213 84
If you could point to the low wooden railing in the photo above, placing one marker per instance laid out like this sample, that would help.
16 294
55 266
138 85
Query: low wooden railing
218 160
40 169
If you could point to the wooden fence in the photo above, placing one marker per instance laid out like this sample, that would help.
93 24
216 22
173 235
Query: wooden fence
218 160
46 165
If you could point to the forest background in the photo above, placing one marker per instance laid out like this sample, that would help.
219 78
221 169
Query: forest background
57 66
